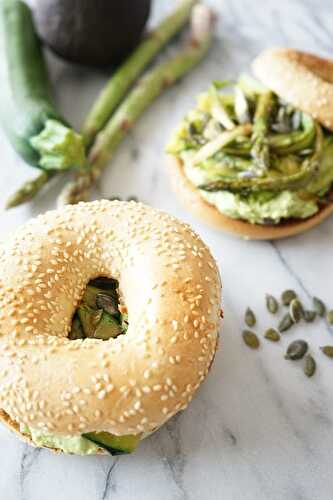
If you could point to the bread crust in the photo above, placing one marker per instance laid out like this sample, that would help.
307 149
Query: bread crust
171 286
302 79
193 201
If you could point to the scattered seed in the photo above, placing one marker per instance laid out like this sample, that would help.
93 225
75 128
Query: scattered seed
327 350
296 350
272 334
296 310
251 339
107 303
271 304
287 297
285 323
309 316
250 318
309 365
319 306
330 317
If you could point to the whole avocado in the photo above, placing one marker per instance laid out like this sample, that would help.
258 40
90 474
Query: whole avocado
91 32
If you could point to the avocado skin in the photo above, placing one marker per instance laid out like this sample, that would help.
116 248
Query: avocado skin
94 33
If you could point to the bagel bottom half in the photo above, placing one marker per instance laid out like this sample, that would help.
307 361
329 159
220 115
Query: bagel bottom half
193 201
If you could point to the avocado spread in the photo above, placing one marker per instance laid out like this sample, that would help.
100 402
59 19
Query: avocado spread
77 445
253 156
87 444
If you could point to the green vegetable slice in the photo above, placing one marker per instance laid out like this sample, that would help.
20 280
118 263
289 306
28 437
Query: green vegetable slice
274 183
115 445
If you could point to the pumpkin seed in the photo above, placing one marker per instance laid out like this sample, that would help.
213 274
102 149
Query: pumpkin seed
319 306
271 304
327 350
296 310
272 334
309 316
251 339
285 323
330 317
296 350
309 365
108 303
287 297
250 318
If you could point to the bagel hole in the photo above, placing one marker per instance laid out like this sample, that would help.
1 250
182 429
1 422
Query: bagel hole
99 315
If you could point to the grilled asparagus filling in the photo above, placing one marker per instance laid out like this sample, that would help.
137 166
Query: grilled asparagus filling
99 315
254 156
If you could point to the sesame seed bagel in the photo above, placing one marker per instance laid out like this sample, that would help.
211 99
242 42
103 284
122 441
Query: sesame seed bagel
168 281
302 79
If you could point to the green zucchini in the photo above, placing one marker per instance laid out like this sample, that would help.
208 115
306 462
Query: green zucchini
115 445
34 127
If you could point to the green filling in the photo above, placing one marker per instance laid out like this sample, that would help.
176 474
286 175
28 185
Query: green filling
98 315
89 444
77 445
229 177
59 147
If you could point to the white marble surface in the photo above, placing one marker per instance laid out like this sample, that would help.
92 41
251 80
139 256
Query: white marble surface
258 429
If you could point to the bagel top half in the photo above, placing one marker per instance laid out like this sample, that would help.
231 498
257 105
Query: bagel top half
170 285
300 78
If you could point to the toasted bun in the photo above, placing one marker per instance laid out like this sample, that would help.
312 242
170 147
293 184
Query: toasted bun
304 80
132 384
193 201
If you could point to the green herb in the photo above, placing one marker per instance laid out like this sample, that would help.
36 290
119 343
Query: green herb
327 350
309 366
250 318
296 310
319 306
296 350
271 304
285 323
287 297
272 334
309 316
251 339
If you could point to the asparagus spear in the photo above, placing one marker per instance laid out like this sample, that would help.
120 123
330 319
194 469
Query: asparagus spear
260 147
145 92
284 143
115 90
29 189
273 183
128 72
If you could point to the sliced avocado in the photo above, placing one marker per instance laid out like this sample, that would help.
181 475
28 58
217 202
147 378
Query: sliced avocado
108 327
76 330
89 318
115 445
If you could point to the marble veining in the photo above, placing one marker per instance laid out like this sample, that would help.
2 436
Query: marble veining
258 429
